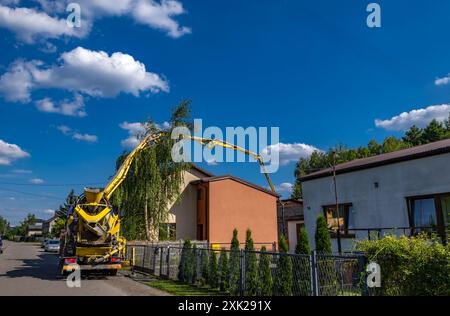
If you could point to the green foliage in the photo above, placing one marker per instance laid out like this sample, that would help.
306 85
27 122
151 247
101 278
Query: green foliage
185 267
193 264
224 272
417 266
213 275
235 265
62 210
283 277
302 242
322 236
21 229
153 182
205 268
265 274
434 131
4 227
251 267
301 268
414 136
58 226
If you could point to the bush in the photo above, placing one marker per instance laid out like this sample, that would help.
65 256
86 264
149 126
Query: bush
235 265
283 278
185 265
224 272
251 267
265 274
410 266
193 264
213 277
205 268
322 237
302 243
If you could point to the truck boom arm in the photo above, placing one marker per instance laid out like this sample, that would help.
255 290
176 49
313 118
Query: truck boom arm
121 174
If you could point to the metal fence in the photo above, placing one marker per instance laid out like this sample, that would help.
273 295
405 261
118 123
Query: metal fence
310 275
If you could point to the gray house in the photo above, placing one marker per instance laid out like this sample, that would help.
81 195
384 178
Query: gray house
402 192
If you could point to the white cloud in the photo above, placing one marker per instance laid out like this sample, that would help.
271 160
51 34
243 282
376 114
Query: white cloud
418 117
80 71
30 25
159 16
212 162
36 181
136 130
85 137
17 82
442 81
22 171
77 135
49 211
289 152
285 187
64 107
10 152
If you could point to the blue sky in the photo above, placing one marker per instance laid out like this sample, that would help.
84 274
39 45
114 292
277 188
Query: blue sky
312 68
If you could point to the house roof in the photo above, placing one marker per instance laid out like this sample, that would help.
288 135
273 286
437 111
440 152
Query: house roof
201 170
431 149
230 177
34 227
292 201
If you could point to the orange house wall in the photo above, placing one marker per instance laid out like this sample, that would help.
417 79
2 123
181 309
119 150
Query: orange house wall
235 205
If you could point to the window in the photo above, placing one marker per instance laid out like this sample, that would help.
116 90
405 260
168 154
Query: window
200 232
298 228
430 214
342 221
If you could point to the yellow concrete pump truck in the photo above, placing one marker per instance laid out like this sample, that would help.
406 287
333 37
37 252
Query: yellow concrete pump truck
91 239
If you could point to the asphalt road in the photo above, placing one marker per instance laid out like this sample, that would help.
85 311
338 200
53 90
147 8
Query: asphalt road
25 269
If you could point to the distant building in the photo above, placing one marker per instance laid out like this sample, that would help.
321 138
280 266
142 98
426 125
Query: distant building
35 230
48 225
210 207
402 192
290 219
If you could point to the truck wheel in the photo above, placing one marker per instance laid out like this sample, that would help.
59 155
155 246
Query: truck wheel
112 272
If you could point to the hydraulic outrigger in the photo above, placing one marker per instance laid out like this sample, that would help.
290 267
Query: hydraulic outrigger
92 238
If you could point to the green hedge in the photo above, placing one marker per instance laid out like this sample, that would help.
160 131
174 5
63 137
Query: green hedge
410 266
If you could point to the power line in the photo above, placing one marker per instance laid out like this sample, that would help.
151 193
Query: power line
33 194
52 185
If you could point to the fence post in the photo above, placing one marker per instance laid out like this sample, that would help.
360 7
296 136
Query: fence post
161 261
143 258
168 262
362 262
153 254
241 274
314 279
133 259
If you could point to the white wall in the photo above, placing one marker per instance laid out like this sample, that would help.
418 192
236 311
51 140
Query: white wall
292 234
384 206
184 213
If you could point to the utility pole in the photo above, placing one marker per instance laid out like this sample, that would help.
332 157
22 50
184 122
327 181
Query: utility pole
283 219
338 233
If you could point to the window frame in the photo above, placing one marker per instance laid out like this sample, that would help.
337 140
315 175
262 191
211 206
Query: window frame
346 208
440 224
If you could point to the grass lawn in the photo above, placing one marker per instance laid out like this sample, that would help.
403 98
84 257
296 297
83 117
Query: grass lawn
181 289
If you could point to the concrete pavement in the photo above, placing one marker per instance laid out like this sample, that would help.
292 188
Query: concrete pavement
25 269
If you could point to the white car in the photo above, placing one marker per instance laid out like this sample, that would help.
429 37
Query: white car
52 245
